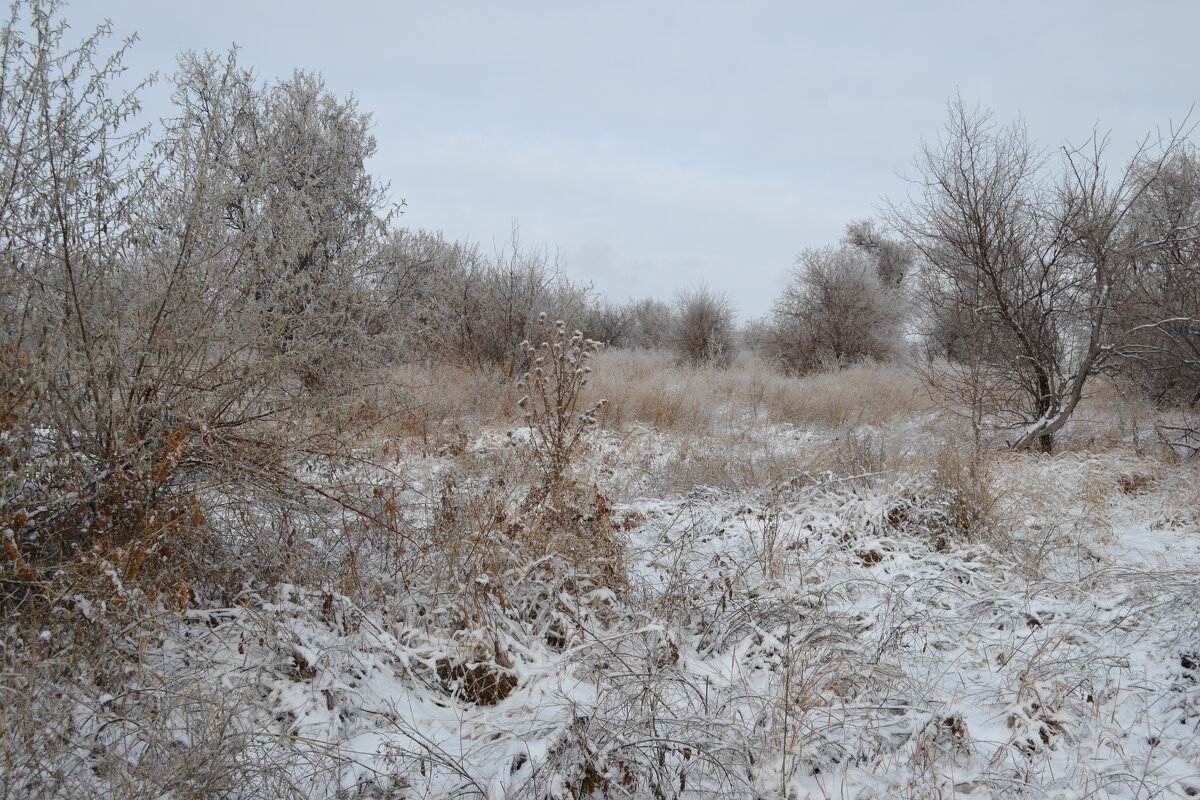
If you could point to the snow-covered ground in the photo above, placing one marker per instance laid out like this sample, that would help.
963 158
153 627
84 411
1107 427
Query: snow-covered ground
829 637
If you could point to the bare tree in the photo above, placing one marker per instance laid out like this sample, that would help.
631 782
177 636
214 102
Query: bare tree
1037 257
893 258
651 322
703 330
1162 299
609 323
835 311
409 281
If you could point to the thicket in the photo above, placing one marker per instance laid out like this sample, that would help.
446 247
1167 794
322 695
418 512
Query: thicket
185 302
193 307
451 303
182 304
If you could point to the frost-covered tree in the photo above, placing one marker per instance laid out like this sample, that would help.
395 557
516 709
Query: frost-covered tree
1034 258
609 323
160 299
651 323
479 307
893 258
281 169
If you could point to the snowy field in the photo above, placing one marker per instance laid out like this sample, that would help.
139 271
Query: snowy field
862 635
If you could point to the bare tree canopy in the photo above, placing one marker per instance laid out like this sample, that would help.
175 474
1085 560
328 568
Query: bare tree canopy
836 310
703 327
893 257
1027 259
1163 297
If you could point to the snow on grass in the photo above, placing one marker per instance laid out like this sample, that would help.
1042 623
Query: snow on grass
828 637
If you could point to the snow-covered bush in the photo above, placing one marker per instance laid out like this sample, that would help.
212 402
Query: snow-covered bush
175 313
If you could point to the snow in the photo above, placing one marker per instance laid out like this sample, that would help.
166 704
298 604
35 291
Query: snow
833 638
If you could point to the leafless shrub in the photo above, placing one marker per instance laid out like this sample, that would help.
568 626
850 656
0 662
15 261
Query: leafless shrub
475 315
651 324
174 318
703 329
609 323
403 277
70 175
835 312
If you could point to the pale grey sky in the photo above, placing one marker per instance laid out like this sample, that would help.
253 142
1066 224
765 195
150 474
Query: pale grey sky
663 144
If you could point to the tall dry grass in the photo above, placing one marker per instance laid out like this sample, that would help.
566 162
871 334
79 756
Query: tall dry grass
646 386
649 387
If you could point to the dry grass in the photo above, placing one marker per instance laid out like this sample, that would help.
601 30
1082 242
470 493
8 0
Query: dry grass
1113 415
740 428
434 405
647 387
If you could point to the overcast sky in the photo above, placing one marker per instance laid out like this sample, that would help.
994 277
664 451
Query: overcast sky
660 145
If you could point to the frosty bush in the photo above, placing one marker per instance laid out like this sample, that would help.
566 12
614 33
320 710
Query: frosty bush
477 307
172 313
